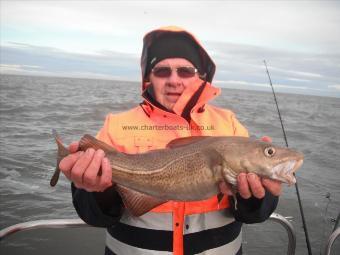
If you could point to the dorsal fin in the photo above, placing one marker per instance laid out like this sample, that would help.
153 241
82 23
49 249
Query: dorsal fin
183 141
88 141
137 203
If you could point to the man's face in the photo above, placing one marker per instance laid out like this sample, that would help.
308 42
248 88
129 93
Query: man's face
169 89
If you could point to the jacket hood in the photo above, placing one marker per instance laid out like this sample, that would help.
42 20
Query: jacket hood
208 66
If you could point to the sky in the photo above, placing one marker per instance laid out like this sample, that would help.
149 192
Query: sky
103 39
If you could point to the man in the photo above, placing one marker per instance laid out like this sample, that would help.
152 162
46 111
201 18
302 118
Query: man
177 74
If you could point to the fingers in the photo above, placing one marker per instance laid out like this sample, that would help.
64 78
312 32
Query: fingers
81 165
274 187
83 168
67 163
91 172
243 186
99 182
250 185
256 186
105 180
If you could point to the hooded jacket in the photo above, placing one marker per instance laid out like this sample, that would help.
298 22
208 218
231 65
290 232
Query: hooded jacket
175 227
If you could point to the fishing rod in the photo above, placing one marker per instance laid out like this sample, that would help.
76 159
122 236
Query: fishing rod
296 184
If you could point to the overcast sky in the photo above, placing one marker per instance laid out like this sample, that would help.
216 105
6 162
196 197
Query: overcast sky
103 39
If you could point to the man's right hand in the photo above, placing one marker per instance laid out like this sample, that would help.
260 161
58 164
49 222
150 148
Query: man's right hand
83 168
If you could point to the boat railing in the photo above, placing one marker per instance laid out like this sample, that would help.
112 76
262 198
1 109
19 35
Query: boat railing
76 223
289 229
333 236
39 224
330 241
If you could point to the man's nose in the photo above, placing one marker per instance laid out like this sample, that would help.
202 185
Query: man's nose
174 78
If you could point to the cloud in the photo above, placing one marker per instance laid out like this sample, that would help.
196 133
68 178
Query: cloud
36 71
238 65
303 26
336 87
298 73
264 85
4 67
299 80
30 59
288 69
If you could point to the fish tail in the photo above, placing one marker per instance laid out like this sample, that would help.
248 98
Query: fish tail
62 153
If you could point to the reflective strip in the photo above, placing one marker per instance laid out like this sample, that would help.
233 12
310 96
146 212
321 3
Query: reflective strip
150 220
120 248
231 248
192 223
199 222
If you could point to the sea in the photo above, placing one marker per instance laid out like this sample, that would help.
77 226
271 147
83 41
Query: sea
31 106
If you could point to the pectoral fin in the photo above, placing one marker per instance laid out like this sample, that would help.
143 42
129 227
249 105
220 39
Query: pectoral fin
217 162
214 159
136 202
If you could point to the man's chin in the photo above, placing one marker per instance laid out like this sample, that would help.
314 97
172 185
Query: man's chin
169 105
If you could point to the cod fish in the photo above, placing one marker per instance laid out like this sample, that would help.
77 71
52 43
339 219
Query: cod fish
189 169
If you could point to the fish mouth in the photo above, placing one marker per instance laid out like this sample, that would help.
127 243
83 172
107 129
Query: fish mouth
284 172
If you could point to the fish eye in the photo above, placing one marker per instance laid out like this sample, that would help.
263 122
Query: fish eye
269 151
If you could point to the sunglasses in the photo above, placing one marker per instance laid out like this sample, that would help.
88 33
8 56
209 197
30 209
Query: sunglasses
182 72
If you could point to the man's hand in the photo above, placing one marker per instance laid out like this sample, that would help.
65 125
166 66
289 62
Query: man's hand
252 185
83 168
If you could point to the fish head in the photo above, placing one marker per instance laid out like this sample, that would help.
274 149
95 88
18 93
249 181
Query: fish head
274 162
265 159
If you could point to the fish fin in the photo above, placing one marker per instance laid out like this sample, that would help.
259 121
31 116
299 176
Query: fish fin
88 141
62 153
137 203
214 159
179 142
218 163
